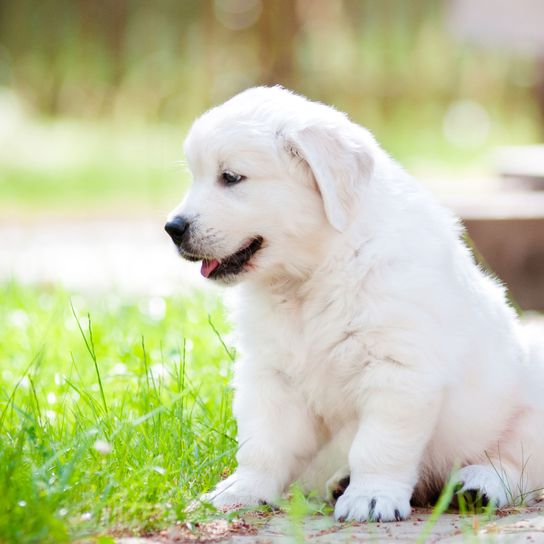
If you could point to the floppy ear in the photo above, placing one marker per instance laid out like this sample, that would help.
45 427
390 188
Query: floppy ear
339 163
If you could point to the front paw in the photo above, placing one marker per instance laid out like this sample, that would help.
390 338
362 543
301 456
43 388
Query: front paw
240 491
387 502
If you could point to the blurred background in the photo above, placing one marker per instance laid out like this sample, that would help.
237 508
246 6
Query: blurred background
96 96
114 363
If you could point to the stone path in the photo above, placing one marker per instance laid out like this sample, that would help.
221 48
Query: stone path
509 526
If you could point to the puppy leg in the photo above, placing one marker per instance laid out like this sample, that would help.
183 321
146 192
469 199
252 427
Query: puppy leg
277 437
384 457
330 465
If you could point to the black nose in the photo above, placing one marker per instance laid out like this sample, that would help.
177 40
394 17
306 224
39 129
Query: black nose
177 229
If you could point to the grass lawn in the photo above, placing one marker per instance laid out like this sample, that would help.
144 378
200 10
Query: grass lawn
114 414
76 168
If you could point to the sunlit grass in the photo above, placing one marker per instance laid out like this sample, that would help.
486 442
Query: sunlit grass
117 426
77 167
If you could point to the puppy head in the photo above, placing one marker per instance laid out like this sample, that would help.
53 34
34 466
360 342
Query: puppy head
275 177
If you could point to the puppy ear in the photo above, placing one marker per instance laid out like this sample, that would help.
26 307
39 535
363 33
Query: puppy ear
339 162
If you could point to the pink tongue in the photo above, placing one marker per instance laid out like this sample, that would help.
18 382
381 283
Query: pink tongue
208 267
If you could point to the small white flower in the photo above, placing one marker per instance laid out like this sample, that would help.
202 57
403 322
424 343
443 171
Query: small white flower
103 447
158 371
119 369
19 319
154 307
86 516
22 504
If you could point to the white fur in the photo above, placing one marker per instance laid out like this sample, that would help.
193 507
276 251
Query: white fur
368 338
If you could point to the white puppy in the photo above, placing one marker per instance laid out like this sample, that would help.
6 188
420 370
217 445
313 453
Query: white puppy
370 343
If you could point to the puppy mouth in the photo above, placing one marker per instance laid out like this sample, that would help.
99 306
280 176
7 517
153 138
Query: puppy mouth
231 265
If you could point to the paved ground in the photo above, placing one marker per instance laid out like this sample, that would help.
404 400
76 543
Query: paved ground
133 256
508 527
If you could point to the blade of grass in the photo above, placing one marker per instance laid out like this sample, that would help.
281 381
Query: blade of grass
90 348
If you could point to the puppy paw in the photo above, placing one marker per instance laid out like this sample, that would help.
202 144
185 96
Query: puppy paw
226 500
239 492
390 502
485 482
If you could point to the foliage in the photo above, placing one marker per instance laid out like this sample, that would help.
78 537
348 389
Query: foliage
390 63
110 88
167 59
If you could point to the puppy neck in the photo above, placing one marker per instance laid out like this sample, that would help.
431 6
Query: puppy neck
295 281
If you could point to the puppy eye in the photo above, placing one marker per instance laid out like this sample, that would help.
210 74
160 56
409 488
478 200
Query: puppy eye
230 178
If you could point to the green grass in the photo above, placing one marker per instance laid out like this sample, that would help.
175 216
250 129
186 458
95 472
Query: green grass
78 168
114 415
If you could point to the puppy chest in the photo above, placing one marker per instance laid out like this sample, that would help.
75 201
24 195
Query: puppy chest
324 376
318 357
326 396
